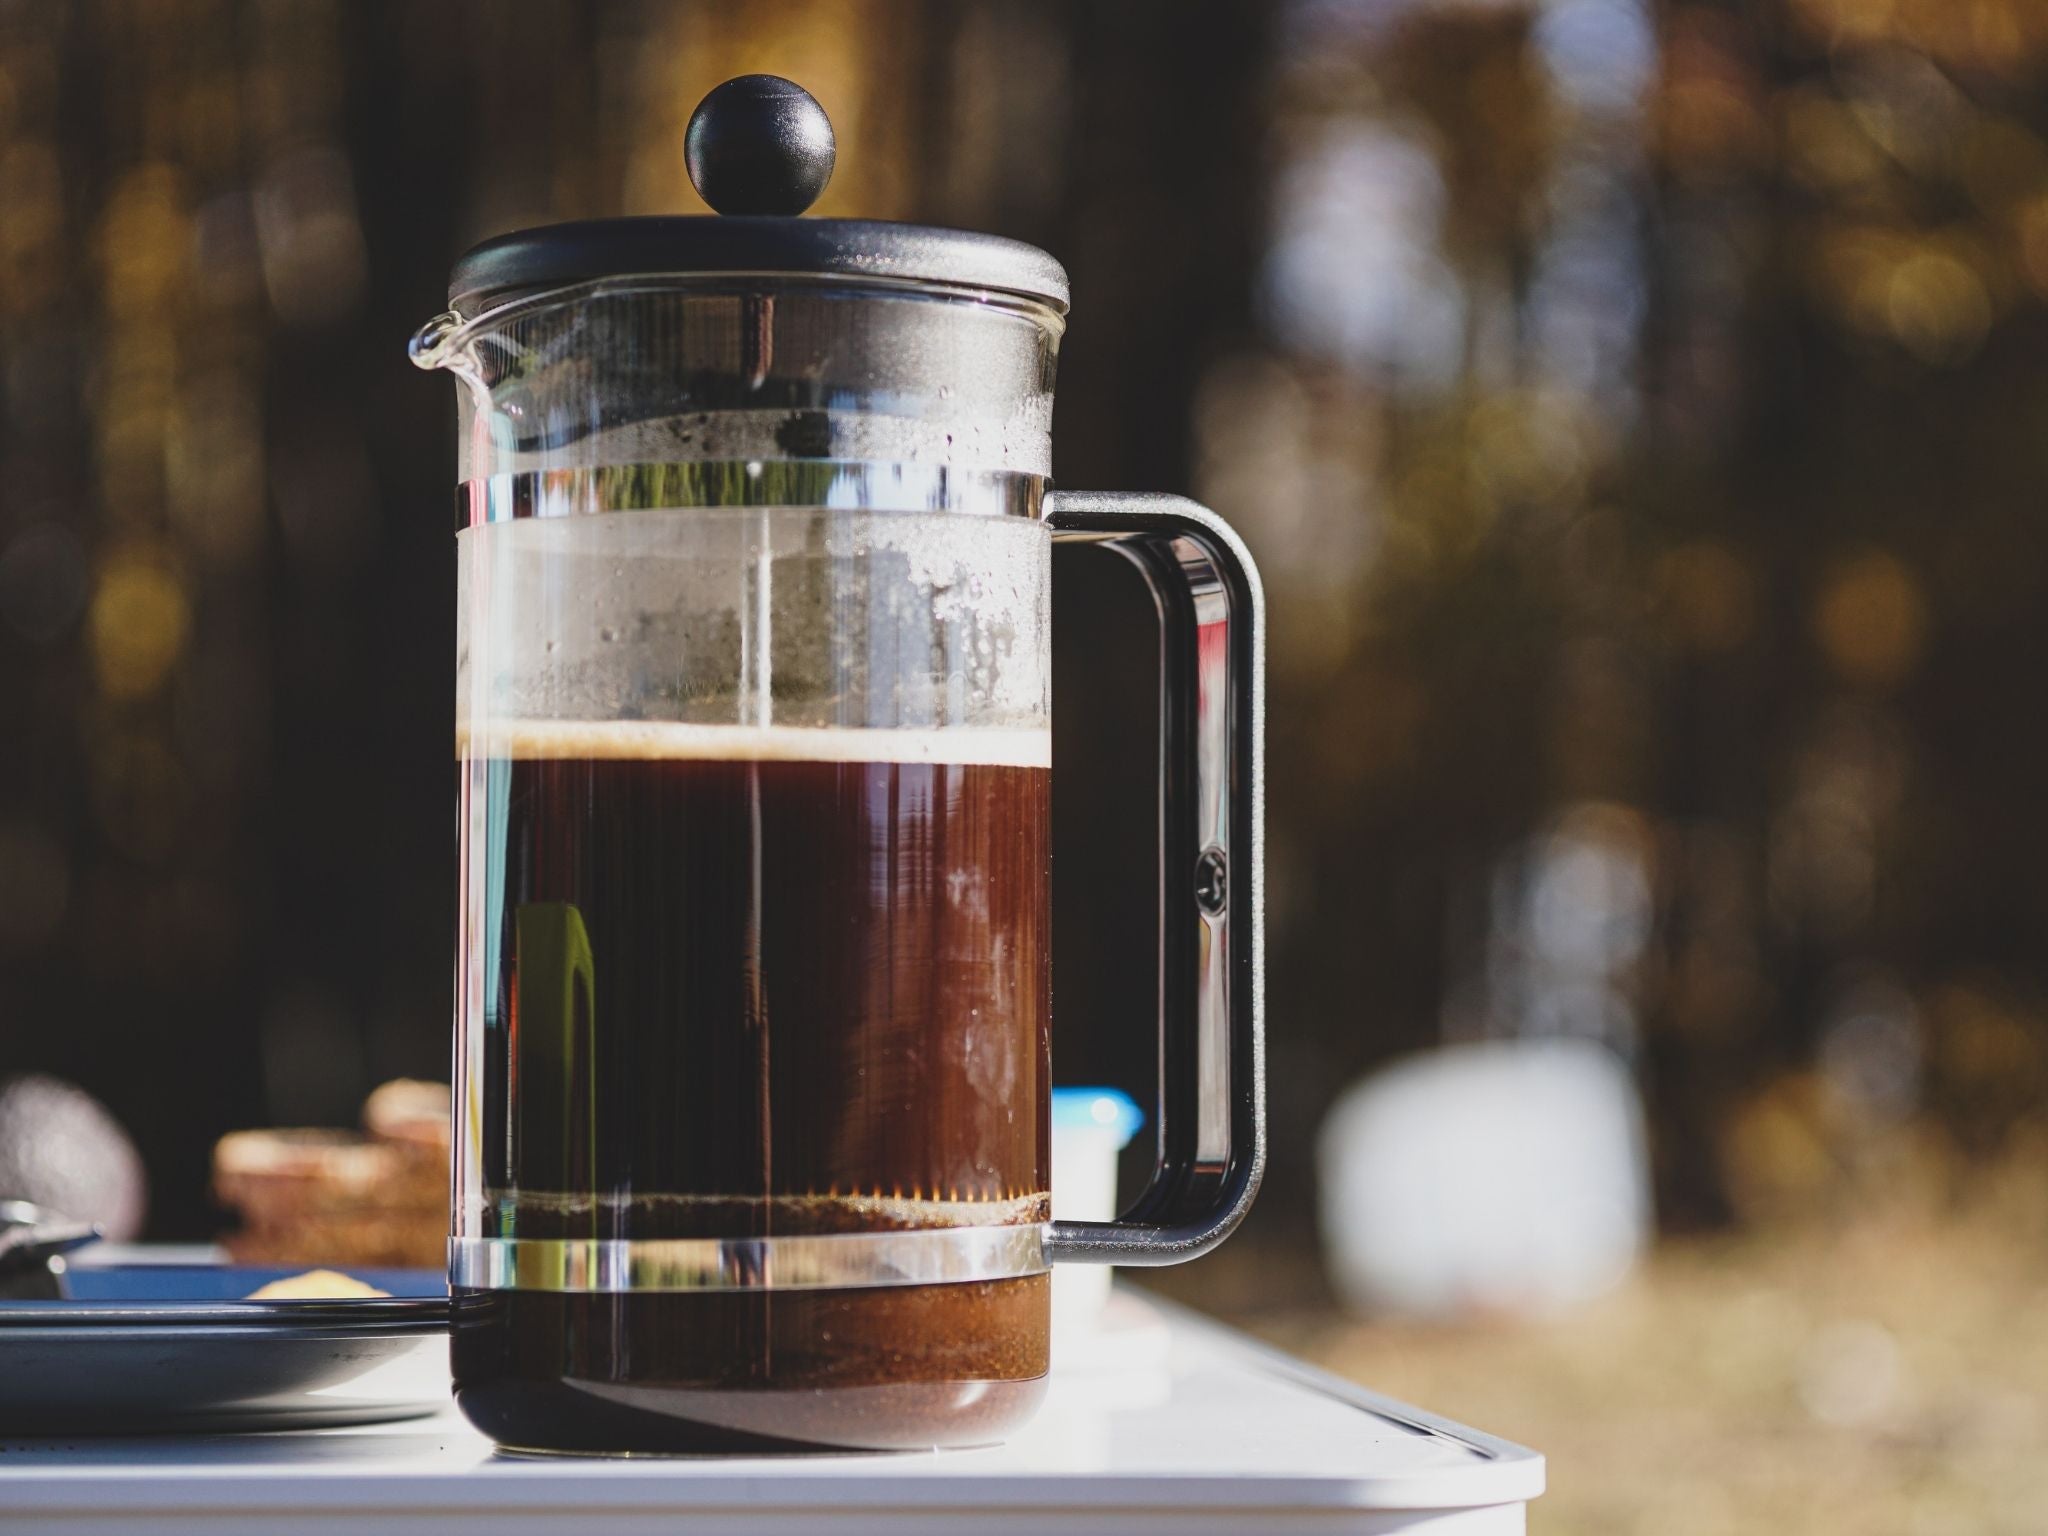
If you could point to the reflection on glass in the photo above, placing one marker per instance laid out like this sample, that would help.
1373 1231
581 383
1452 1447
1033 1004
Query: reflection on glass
553 1047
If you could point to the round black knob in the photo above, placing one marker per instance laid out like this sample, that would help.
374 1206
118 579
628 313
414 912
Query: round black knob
759 144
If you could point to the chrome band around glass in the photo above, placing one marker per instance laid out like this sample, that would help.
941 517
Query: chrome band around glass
839 1261
869 485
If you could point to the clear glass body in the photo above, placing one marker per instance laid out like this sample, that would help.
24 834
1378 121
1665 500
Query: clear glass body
753 747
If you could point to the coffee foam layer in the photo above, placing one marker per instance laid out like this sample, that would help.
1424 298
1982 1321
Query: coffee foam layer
851 1211
678 741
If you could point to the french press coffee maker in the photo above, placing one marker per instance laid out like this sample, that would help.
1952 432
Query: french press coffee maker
753 726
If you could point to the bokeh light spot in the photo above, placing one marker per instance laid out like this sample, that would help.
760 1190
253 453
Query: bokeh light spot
139 620
1871 619
1938 307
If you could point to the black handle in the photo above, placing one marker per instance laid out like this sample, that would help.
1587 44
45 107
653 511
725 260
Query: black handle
1211 1110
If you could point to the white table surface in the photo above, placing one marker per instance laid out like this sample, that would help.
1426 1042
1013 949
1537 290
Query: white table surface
1163 1422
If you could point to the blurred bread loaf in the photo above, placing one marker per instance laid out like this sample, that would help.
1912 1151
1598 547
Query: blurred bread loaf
410 1113
335 1197
315 1285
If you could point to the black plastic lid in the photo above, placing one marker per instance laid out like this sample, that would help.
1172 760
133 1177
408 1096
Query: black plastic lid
556 254
760 150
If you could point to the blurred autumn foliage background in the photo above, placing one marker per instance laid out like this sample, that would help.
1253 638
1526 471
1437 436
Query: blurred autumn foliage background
1637 408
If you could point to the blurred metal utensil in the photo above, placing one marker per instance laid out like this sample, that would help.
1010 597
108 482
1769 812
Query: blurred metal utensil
33 1242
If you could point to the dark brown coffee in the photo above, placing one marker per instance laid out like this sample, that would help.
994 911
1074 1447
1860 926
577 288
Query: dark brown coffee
744 983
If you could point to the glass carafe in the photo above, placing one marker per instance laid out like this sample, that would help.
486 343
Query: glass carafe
753 736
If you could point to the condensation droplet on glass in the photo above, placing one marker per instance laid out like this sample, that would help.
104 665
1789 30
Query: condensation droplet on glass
608 634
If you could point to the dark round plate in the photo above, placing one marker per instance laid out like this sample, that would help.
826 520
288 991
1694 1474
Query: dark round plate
148 1348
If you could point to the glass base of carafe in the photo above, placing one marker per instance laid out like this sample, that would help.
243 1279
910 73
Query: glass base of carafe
914 1416
882 1369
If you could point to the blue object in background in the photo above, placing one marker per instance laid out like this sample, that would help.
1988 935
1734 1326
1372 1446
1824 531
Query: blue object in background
1097 1109
137 1283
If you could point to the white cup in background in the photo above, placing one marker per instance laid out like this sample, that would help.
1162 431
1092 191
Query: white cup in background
1090 1126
